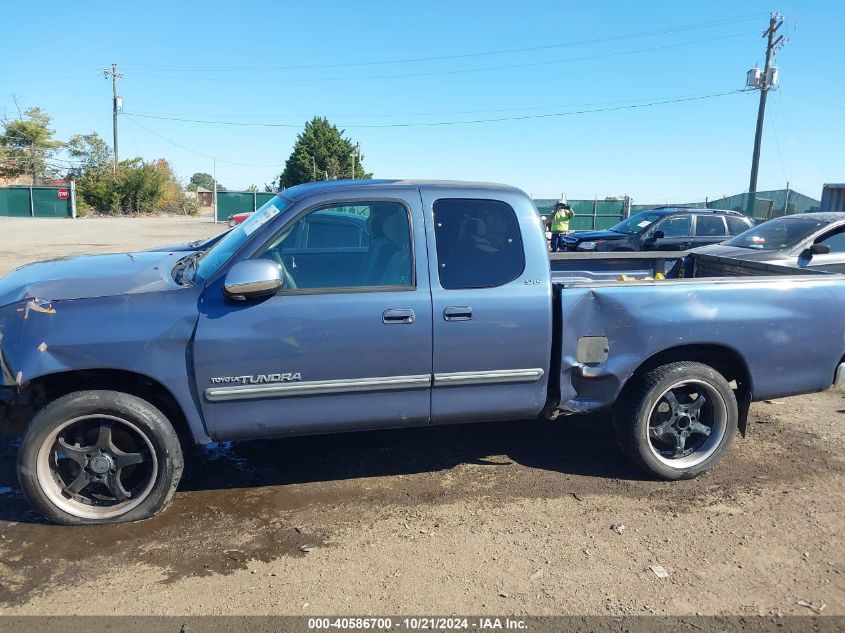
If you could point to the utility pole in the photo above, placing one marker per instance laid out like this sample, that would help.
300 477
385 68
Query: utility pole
214 195
313 169
117 103
356 151
763 82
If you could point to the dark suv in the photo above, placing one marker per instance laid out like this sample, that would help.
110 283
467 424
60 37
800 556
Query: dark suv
662 229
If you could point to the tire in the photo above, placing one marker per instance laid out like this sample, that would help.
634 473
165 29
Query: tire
661 419
94 457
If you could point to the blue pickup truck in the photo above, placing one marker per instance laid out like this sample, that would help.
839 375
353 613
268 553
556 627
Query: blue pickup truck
344 306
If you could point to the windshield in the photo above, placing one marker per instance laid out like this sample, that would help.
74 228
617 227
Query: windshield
637 223
778 234
211 261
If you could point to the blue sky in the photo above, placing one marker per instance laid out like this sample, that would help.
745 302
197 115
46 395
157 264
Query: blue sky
233 62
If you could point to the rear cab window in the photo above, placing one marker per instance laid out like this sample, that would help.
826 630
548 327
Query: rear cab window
479 244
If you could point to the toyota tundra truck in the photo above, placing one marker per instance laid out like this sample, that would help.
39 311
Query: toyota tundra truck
353 305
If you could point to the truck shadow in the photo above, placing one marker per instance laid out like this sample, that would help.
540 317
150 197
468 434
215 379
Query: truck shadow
578 446
582 445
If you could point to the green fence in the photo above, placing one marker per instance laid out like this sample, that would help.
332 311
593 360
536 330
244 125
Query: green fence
38 202
767 204
232 202
590 215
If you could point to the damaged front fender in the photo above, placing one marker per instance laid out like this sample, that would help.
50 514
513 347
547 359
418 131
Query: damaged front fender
147 334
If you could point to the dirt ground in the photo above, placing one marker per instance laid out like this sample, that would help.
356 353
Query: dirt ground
505 518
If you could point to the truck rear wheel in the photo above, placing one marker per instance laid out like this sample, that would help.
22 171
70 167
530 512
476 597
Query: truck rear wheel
99 457
678 420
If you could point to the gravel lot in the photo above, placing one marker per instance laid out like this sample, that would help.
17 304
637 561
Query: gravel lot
506 518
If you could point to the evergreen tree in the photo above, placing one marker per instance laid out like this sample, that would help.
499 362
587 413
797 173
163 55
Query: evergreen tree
27 144
321 152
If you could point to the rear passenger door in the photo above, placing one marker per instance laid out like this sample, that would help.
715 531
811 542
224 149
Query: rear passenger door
491 301
709 229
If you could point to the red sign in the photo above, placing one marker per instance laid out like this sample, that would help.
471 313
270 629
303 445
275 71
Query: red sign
63 194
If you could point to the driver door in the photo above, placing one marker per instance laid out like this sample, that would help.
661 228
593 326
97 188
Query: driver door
832 262
345 345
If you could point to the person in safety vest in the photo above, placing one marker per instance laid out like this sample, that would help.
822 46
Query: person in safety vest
559 224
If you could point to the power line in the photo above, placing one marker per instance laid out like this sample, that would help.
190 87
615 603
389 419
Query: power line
800 137
188 149
528 49
811 100
450 72
440 123
299 117
773 128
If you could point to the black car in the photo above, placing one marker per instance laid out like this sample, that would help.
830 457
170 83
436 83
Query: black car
662 229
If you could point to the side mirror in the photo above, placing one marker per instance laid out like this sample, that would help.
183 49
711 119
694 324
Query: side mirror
819 249
658 235
252 279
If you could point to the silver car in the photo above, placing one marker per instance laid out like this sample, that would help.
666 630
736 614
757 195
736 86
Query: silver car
806 240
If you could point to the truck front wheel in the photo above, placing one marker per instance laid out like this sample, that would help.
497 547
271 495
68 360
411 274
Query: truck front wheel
99 457
678 420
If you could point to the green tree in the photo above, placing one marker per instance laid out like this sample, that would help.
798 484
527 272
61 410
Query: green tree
138 187
89 151
204 180
27 144
321 152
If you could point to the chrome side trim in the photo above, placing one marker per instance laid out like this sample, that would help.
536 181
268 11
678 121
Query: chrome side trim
494 377
839 381
316 387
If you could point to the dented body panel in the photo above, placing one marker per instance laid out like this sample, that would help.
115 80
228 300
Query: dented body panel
789 344
87 276
148 334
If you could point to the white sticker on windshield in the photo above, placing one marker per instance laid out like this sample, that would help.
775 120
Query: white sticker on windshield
644 223
259 219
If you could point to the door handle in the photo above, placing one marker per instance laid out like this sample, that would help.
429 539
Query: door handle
404 315
457 313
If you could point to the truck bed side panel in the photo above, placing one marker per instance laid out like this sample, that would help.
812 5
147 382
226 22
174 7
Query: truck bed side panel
789 331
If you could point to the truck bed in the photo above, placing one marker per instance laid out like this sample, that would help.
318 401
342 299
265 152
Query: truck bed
573 269
761 318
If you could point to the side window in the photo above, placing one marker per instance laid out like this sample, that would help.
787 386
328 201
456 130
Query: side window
709 226
334 232
836 241
737 225
679 226
364 245
478 243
